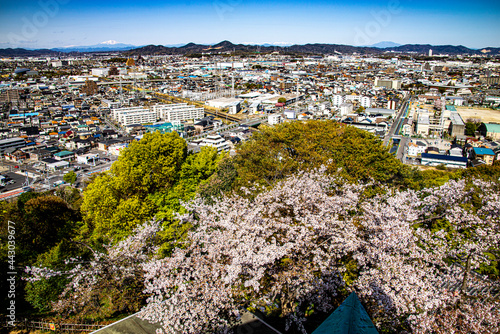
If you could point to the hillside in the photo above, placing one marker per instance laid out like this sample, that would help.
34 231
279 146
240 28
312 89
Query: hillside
304 214
227 46
19 52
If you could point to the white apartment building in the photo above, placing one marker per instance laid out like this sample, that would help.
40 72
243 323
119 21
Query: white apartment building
178 112
351 98
337 100
346 109
365 101
100 72
133 115
274 119
423 124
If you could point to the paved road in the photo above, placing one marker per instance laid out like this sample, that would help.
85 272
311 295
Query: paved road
395 124
401 154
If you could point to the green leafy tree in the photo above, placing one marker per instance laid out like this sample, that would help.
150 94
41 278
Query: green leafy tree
41 221
70 177
117 201
221 181
152 177
471 128
279 151
195 172
149 165
282 100
47 219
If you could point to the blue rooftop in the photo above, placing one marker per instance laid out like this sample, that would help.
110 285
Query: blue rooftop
349 317
483 151
63 153
159 125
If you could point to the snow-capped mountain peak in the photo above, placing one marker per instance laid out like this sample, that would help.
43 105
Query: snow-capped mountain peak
110 42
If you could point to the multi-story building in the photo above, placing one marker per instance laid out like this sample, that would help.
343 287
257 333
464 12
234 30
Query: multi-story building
337 100
133 115
100 72
178 112
457 125
485 154
423 123
12 143
216 141
346 109
388 83
11 95
274 119
365 101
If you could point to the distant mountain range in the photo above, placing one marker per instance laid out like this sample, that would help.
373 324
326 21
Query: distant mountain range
378 48
384 44
101 47
226 46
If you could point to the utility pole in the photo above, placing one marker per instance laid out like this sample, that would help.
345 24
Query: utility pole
232 79
121 92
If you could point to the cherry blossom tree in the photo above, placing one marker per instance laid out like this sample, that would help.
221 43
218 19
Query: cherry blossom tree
284 251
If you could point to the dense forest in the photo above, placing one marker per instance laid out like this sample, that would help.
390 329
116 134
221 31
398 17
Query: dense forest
303 214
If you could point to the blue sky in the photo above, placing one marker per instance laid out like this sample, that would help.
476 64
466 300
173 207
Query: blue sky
57 23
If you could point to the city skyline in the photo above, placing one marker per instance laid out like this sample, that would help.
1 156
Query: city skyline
61 23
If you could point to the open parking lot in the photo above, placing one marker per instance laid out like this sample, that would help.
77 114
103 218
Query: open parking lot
13 181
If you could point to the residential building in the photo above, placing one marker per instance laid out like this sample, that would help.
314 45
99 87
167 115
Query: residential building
388 83
446 160
274 119
12 142
346 109
178 112
365 101
485 154
134 115
338 100
456 151
216 141
416 148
